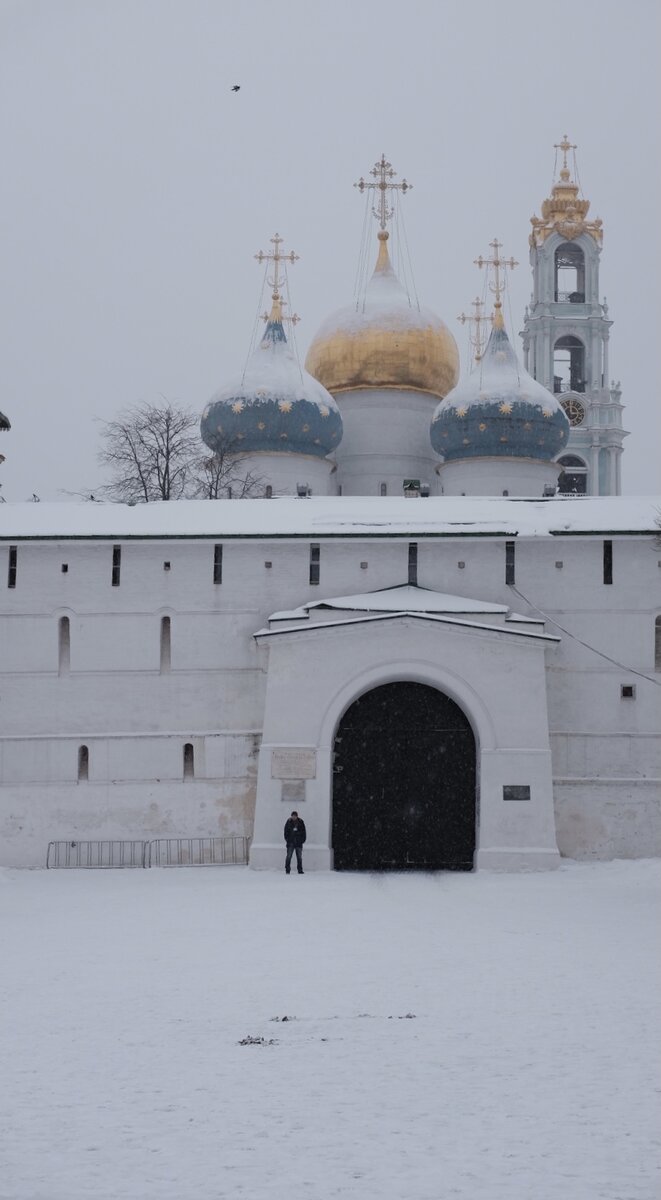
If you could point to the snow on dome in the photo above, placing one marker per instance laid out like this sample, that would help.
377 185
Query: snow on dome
499 410
387 342
275 406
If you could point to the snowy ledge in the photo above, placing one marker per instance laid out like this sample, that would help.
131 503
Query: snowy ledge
334 516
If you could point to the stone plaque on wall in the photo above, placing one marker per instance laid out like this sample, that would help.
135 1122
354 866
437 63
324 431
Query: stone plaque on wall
516 791
292 762
293 791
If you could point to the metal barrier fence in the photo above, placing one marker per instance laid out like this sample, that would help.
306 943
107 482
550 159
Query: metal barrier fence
198 852
161 852
96 854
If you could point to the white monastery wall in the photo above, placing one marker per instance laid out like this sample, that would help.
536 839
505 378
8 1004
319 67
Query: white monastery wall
135 714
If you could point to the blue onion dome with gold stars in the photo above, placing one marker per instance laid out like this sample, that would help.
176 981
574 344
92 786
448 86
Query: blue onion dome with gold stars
276 406
499 410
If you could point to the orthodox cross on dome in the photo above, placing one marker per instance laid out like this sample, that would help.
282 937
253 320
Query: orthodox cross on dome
276 257
565 146
383 174
498 285
478 324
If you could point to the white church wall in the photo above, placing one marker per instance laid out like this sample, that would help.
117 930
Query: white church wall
605 819
135 789
593 758
123 812
90 703
483 567
385 440
113 684
497 477
28 644
283 473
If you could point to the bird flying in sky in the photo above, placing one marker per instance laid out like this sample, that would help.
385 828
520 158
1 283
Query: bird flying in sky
237 87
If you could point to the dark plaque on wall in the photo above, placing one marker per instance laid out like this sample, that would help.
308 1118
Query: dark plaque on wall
516 791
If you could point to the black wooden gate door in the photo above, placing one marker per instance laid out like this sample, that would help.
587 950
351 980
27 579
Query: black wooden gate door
404 782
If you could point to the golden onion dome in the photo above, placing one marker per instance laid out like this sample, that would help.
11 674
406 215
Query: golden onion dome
387 342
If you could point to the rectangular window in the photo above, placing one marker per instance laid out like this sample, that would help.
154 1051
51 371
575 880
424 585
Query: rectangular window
116 565
608 562
64 646
509 562
628 691
383 489
218 564
413 564
11 572
165 645
315 562
83 763
189 761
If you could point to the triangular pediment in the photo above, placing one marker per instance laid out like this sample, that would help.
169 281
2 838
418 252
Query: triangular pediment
405 600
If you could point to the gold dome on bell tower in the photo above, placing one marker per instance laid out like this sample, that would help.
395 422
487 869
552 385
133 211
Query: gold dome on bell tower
386 340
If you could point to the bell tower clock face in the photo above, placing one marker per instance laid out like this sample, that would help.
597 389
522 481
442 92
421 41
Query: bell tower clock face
575 411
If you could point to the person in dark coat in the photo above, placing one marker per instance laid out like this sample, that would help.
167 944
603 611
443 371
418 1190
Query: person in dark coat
295 836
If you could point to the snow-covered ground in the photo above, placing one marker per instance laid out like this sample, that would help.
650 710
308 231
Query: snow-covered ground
483 1037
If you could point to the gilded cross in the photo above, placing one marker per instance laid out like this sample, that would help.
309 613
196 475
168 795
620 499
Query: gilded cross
276 257
478 324
383 175
565 145
498 263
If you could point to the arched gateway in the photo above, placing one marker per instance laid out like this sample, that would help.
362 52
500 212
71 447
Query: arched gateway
404 782
361 736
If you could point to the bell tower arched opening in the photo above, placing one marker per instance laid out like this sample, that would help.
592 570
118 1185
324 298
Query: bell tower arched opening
568 365
569 278
573 480
404 782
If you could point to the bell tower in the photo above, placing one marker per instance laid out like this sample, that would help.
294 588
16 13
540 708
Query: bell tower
566 331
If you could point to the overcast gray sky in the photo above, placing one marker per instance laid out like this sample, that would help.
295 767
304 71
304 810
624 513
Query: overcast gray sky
137 187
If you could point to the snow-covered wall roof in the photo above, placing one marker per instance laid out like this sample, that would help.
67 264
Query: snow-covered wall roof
336 516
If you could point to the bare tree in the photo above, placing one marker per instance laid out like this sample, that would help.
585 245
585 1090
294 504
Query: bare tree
225 474
154 453
150 450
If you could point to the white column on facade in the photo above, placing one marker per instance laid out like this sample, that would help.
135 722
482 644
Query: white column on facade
594 471
547 380
612 472
596 356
